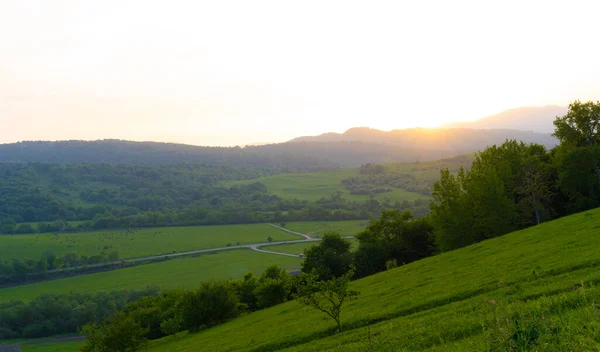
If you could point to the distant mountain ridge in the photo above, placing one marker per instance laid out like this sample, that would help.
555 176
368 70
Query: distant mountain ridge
457 140
313 153
535 119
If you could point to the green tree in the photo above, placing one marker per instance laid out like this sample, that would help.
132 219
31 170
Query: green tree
211 304
329 258
274 287
397 237
580 127
327 296
578 156
119 333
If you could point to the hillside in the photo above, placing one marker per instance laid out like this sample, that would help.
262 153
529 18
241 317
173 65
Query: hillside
542 279
451 141
535 119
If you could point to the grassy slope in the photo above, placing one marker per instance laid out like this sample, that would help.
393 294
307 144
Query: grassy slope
169 274
439 301
142 242
316 185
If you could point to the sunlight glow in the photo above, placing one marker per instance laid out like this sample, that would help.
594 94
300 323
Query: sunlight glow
237 72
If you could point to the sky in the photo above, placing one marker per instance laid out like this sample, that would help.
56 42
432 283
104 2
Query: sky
241 72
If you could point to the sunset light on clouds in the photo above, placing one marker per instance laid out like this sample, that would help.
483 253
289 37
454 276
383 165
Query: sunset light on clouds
238 72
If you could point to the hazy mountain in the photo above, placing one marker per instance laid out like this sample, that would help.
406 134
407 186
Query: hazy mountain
331 150
536 119
456 140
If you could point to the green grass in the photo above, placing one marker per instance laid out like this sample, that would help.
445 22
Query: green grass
139 243
470 299
298 248
318 228
52 346
316 185
175 273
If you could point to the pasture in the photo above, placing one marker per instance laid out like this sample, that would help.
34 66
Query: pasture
316 185
170 274
298 248
317 228
138 243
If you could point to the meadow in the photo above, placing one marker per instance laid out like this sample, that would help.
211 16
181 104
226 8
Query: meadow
316 185
538 287
298 248
317 228
52 346
138 243
170 274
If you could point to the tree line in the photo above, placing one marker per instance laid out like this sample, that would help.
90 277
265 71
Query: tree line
20 270
105 196
517 185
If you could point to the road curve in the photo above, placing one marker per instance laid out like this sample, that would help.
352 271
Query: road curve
306 236
253 246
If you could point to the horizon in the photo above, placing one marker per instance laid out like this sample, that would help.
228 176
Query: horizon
233 73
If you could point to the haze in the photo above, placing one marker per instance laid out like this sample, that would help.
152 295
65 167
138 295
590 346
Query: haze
228 73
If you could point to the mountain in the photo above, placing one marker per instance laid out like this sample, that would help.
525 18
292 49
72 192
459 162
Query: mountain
536 119
331 150
454 140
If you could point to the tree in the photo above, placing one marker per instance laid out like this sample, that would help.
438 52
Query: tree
211 304
329 258
577 159
327 296
396 236
119 333
580 127
274 287
270 239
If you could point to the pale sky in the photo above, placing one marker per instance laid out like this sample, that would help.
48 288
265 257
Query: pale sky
237 72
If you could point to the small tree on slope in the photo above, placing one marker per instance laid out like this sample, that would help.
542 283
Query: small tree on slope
327 296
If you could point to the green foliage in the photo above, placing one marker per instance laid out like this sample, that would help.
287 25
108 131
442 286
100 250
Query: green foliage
119 333
329 258
211 304
49 315
507 188
327 296
395 237
273 287
580 127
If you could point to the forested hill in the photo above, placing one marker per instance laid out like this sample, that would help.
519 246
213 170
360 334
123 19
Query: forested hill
120 151
455 140
351 149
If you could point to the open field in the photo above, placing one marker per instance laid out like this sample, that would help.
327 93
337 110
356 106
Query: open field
316 185
298 248
169 274
475 298
318 228
138 243
52 346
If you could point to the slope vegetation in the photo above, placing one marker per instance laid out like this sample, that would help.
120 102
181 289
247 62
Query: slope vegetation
534 287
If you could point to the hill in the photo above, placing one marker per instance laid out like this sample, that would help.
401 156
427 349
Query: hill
536 286
536 119
325 152
447 141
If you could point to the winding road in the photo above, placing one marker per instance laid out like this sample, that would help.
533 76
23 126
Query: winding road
253 246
